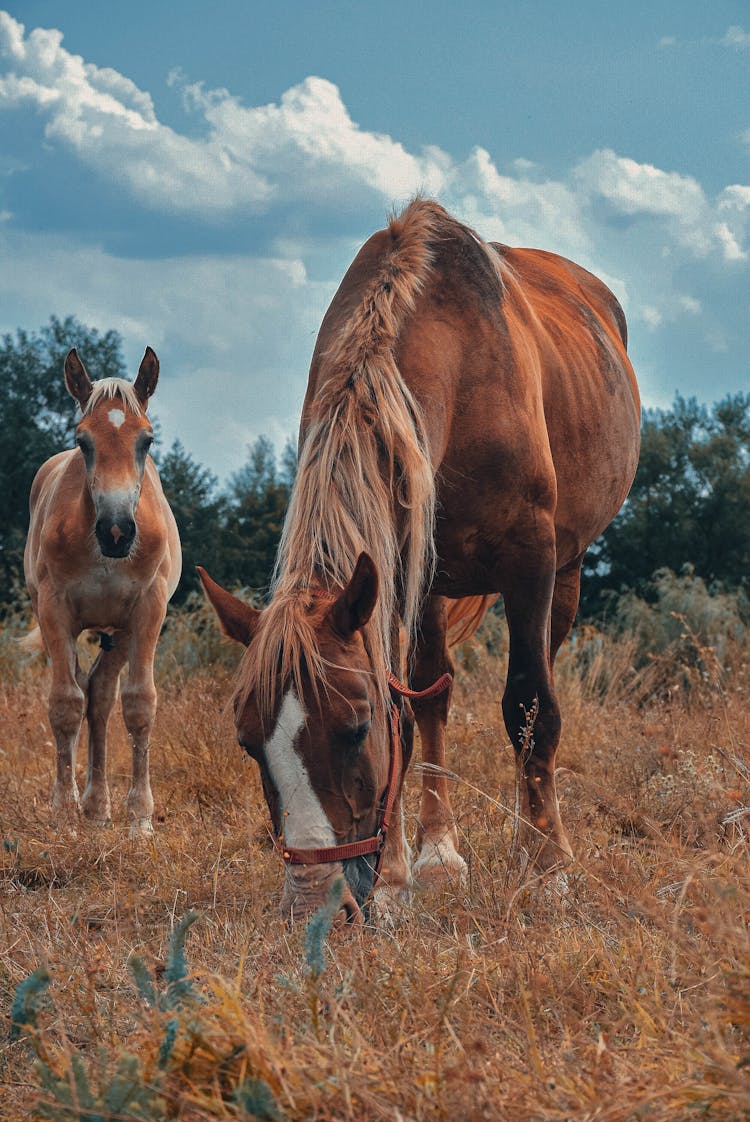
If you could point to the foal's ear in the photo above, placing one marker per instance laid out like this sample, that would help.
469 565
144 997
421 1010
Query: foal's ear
236 618
148 376
356 603
77 379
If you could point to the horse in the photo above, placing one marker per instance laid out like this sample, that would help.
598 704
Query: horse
102 554
471 424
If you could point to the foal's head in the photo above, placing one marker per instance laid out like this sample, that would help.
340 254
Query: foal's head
319 729
114 436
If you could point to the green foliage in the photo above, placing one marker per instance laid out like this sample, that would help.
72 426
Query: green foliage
690 503
25 1007
191 492
255 1099
121 1085
318 929
257 499
122 1092
179 988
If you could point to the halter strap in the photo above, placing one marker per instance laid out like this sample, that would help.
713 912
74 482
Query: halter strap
375 844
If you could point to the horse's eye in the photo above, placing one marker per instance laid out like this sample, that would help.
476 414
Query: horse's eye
353 739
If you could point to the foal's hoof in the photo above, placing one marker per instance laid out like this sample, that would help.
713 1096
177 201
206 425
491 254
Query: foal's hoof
66 811
97 815
439 862
141 828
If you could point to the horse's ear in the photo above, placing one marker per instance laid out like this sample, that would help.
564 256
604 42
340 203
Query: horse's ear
148 376
356 603
237 619
77 379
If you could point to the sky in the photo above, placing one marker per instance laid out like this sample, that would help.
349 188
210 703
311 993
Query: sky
199 176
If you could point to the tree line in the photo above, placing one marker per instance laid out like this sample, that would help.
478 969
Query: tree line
689 505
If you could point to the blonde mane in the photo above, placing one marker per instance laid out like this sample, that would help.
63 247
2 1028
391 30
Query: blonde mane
105 389
364 481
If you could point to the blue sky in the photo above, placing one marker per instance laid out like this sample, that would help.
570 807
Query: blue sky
200 182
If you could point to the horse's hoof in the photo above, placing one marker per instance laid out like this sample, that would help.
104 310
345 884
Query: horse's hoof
390 904
141 828
439 862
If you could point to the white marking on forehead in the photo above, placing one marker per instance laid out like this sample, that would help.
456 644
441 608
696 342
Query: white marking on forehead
116 417
304 821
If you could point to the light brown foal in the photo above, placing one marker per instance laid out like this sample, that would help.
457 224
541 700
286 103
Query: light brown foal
102 553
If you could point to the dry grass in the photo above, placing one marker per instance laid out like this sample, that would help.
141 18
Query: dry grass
629 998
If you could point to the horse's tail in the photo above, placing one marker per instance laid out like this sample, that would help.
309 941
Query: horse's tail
32 642
465 615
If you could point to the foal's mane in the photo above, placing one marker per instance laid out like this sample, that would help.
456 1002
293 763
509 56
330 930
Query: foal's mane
106 389
364 480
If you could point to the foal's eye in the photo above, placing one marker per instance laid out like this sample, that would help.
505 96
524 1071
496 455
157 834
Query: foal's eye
87 448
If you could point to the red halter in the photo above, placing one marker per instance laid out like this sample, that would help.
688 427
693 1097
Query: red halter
375 844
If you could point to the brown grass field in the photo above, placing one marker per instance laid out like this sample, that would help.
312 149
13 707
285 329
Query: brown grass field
628 997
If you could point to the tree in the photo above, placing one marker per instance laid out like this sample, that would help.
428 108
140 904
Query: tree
189 489
38 418
689 504
257 500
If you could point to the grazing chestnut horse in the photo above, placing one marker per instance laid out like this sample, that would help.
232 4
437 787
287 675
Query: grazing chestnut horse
103 554
471 425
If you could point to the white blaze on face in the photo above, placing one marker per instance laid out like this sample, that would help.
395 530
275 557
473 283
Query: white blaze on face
303 820
116 417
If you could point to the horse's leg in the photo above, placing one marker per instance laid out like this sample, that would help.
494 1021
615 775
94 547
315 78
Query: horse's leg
139 710
564 606
530 708
393 885
102 693
437 839
67 704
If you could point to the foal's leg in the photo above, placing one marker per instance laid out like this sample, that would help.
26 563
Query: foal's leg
139 710
437 839
530 709
67 704
102 693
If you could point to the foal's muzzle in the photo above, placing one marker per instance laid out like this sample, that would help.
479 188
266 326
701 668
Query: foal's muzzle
115 535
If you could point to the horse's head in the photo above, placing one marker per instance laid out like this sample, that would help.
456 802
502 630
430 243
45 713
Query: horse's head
314 713
114 436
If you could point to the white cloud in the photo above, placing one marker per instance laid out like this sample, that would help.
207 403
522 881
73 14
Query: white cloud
690 305
641 190
249 324
234 334
307 144
736 37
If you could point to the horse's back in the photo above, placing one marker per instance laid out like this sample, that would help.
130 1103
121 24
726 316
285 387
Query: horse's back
589 390
518 357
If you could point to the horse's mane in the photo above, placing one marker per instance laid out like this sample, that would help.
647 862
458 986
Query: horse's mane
364 480
105 389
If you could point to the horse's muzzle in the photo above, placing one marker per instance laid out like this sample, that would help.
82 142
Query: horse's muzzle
307 888
115 536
